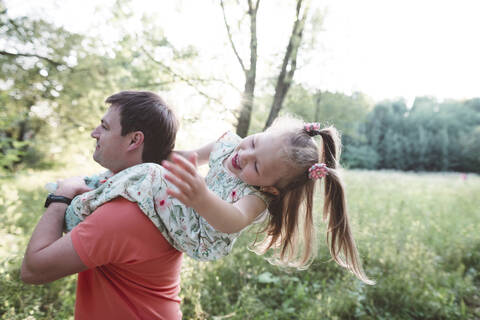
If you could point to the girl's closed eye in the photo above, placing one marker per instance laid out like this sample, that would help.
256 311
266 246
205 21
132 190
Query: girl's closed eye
253 146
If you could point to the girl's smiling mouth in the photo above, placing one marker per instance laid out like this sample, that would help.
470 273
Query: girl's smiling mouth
235 162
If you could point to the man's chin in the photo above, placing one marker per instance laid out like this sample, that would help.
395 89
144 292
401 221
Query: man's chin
96 158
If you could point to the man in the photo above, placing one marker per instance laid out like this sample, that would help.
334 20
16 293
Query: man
127 270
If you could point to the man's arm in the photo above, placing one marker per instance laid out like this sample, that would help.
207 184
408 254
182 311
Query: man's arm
49 255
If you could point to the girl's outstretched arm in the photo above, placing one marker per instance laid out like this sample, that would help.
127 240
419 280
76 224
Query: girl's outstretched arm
203 153
193 192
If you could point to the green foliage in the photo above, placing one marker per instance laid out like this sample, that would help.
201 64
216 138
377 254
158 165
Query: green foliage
21 204
360 156
416 233
346 112
55 82
430 136
11 151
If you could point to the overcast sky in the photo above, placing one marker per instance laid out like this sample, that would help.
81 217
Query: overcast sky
383 48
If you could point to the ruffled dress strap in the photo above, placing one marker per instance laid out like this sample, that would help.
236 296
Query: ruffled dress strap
220 180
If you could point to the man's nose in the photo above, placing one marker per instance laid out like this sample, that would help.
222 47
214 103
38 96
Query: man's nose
94 133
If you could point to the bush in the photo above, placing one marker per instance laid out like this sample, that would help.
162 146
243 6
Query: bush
362 156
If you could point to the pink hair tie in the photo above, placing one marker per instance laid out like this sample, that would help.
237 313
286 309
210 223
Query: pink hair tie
317 171
312 128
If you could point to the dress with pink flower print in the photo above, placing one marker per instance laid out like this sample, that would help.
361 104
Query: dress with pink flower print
181 226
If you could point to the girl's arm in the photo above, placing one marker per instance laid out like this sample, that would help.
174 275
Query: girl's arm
193 192
203 153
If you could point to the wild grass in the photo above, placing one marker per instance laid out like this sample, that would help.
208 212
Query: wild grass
418 235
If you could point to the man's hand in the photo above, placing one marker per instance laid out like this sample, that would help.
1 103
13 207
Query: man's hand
49 255
71 187
191 187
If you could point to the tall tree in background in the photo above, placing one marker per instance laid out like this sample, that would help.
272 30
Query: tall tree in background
289 64
35 57
287 68
250 71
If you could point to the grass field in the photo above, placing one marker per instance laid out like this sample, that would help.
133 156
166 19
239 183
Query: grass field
418 235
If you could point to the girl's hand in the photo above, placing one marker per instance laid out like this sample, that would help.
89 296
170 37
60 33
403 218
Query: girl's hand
71 187
183 153
183 174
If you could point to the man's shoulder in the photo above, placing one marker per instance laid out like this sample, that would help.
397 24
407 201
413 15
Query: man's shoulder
118 217
118 207
125 221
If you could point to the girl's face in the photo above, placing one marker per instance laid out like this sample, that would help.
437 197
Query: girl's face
258 160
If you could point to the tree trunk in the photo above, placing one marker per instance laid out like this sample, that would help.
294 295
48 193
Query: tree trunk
250 75
285 77
246 107
318 99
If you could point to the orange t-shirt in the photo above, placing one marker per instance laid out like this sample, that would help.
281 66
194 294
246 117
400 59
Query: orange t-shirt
134 273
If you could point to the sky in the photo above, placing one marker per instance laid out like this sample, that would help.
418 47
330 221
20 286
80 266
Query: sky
405 48
384 48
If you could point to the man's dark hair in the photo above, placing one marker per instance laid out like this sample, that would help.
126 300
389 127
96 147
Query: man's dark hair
146 112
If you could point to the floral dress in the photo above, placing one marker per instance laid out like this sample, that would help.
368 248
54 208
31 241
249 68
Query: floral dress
181 226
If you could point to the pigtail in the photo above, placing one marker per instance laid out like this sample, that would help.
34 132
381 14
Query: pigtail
339 235
292 237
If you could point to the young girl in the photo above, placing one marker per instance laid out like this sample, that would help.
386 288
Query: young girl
269 175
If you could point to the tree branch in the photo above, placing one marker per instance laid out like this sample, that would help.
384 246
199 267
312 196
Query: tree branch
228 83
153 84
231 39
253 38
296 40
180 77
11 54
289 60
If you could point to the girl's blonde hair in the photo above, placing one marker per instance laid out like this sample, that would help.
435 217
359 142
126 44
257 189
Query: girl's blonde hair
290 229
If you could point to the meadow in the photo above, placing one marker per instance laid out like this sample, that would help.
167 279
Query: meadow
417 233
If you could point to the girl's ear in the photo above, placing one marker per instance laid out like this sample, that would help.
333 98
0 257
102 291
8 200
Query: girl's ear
272 190
136 140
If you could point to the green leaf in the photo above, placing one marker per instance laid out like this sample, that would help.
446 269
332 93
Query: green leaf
267 277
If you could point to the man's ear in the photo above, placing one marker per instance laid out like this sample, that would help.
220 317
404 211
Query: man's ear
272 190
136 140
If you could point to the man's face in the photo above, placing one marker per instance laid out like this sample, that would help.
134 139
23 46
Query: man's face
111 148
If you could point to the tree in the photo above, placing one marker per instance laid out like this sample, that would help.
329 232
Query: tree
250 71
318 101
34 57
289 63
430 136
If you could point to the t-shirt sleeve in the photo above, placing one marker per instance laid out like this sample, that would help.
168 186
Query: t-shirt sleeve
117 232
